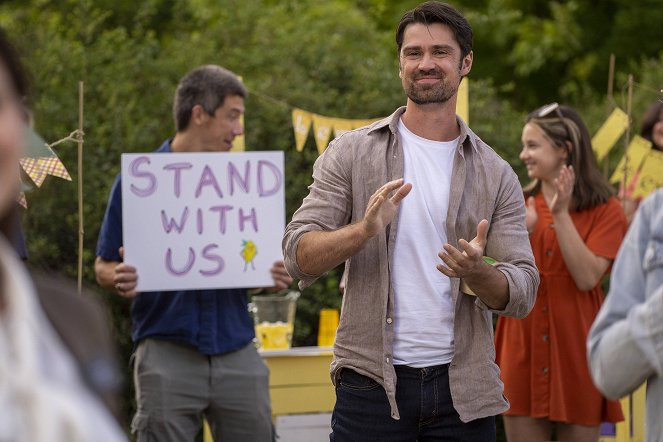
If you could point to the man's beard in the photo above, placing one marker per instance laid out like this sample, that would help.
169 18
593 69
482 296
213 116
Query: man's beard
439 92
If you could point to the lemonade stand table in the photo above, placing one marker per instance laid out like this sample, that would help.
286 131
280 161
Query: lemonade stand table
299 380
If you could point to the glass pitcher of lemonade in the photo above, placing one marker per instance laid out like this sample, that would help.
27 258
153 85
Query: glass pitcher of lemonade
274 319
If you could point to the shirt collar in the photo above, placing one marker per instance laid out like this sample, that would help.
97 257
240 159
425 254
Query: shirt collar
466 134
165 147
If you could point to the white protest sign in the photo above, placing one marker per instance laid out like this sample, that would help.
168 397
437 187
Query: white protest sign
202 220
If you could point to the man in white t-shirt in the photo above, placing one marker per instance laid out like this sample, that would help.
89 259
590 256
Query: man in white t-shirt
413 356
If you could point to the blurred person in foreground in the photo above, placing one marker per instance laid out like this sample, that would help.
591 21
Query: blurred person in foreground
47 393
625 343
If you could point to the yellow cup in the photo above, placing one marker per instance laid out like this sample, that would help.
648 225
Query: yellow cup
328 326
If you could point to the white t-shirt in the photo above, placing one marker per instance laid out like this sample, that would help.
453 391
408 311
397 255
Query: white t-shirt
423 309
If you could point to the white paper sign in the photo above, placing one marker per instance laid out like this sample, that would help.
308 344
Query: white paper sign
202 220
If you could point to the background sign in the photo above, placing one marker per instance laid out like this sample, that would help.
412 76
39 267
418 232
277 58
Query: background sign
203 220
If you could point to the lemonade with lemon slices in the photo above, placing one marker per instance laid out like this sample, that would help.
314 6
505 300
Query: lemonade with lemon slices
274 335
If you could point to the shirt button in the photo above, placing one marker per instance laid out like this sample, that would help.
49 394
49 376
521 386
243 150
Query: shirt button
551 226
544 309
389 320
545 338
545 370
548 252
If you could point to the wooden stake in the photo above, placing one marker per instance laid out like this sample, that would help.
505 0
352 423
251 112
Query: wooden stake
627 138
611 78
611 102
81 231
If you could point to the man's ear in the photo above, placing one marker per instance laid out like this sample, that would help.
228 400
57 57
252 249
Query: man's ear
466 65
198 115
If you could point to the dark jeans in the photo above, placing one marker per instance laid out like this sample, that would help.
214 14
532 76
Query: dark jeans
362 412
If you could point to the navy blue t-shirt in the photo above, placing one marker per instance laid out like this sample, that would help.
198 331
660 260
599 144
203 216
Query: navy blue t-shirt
212 321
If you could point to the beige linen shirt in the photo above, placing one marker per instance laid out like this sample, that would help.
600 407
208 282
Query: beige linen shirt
483 185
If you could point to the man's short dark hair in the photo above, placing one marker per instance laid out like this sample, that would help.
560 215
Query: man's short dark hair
207 86
438 12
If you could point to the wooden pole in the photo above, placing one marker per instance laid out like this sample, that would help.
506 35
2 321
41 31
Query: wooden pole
627 138
611 102
81 231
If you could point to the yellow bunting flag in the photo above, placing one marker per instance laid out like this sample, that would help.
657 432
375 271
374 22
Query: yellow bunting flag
463 101
238 142
341 126
322 128
301 123
609 133
636 153
361 123
651 174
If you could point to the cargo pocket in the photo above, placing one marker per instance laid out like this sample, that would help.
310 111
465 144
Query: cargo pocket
140 428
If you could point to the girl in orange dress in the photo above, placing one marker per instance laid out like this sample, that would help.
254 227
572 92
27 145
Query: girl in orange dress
576 226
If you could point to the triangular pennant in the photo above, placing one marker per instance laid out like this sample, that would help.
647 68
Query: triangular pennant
609 133
463 101
635 154
341 126
32 167
239 141
322 127
35 146
651 174
22 200
301 124
366 122
53 166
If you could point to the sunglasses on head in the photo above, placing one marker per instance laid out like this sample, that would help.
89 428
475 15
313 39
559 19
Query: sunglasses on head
554 107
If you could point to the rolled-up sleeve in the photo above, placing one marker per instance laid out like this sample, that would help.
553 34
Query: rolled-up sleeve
625 343
508 243
327 207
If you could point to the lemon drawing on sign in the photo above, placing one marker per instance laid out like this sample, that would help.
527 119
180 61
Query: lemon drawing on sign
249 252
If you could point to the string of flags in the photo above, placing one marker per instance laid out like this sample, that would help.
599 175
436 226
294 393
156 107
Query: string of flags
324 126
641 162
41 161
641 165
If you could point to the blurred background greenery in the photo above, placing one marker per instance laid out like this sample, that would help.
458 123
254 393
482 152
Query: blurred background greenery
335 58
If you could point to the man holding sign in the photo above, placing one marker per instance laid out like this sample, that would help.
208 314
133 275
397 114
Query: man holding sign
194 347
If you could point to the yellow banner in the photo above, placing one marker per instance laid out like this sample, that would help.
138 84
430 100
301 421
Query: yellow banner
301 124
609 133
463 101
636 153
651 174
322 129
